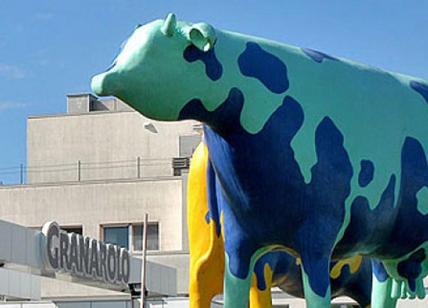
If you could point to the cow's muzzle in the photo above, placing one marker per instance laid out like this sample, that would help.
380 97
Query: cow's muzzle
103 84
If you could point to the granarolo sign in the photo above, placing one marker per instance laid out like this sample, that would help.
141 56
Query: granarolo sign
85 257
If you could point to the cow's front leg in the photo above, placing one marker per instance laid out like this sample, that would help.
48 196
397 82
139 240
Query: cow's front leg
316 281
261 297
238 273
382 287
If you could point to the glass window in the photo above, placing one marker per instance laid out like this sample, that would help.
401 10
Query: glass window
152 237
117 235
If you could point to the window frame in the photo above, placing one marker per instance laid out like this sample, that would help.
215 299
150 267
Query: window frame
114 225
142 224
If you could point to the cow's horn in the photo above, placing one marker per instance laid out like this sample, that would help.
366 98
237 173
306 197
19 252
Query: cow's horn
169 24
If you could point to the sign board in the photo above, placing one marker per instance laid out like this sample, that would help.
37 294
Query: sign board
84 257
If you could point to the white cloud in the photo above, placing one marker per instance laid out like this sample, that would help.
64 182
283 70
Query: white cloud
11 71
5 105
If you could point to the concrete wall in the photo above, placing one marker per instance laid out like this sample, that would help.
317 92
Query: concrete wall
18 284
92 204
106 143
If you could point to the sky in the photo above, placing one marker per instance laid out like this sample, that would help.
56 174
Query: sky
49 49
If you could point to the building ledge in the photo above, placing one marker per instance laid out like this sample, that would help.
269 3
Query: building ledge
93 182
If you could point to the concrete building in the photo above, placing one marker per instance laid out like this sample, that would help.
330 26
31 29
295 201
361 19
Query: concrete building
96 170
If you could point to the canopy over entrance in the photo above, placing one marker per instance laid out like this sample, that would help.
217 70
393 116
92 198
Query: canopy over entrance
26 254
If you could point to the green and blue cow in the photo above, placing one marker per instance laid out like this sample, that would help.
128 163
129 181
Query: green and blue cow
350 277
314 155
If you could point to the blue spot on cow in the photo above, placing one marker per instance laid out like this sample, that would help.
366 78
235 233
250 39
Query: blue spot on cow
421 88
366 173
414 177
369 234
279 262
231 107
264 66
213 206
213 67
317 56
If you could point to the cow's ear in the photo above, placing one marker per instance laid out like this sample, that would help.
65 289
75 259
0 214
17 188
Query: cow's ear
169 25
203 36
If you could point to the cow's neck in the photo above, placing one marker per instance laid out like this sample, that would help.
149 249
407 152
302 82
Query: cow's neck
254 169
224 120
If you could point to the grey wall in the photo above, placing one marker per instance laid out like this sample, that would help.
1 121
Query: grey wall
106 143
92 204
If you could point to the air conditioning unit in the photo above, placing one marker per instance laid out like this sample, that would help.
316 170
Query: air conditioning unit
179 164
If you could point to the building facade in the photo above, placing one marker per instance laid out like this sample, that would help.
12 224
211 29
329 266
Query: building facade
97 170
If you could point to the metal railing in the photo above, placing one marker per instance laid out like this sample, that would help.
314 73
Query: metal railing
83 170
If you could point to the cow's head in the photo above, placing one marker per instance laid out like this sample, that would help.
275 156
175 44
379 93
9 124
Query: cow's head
151 74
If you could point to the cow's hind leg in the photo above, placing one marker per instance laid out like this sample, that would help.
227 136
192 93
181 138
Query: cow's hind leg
206 246
236 289
316 282
382 287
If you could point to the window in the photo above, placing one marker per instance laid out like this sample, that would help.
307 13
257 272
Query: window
117 235
152 236
130 236
72 229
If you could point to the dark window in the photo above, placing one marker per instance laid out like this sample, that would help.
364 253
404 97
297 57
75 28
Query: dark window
117 235
73 229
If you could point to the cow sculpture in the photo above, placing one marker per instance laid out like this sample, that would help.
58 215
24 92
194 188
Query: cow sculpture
351 277
314 155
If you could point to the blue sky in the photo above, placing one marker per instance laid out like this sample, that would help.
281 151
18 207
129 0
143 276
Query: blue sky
51 48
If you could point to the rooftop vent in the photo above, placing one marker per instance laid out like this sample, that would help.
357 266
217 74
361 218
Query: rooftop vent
81 103
179 164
